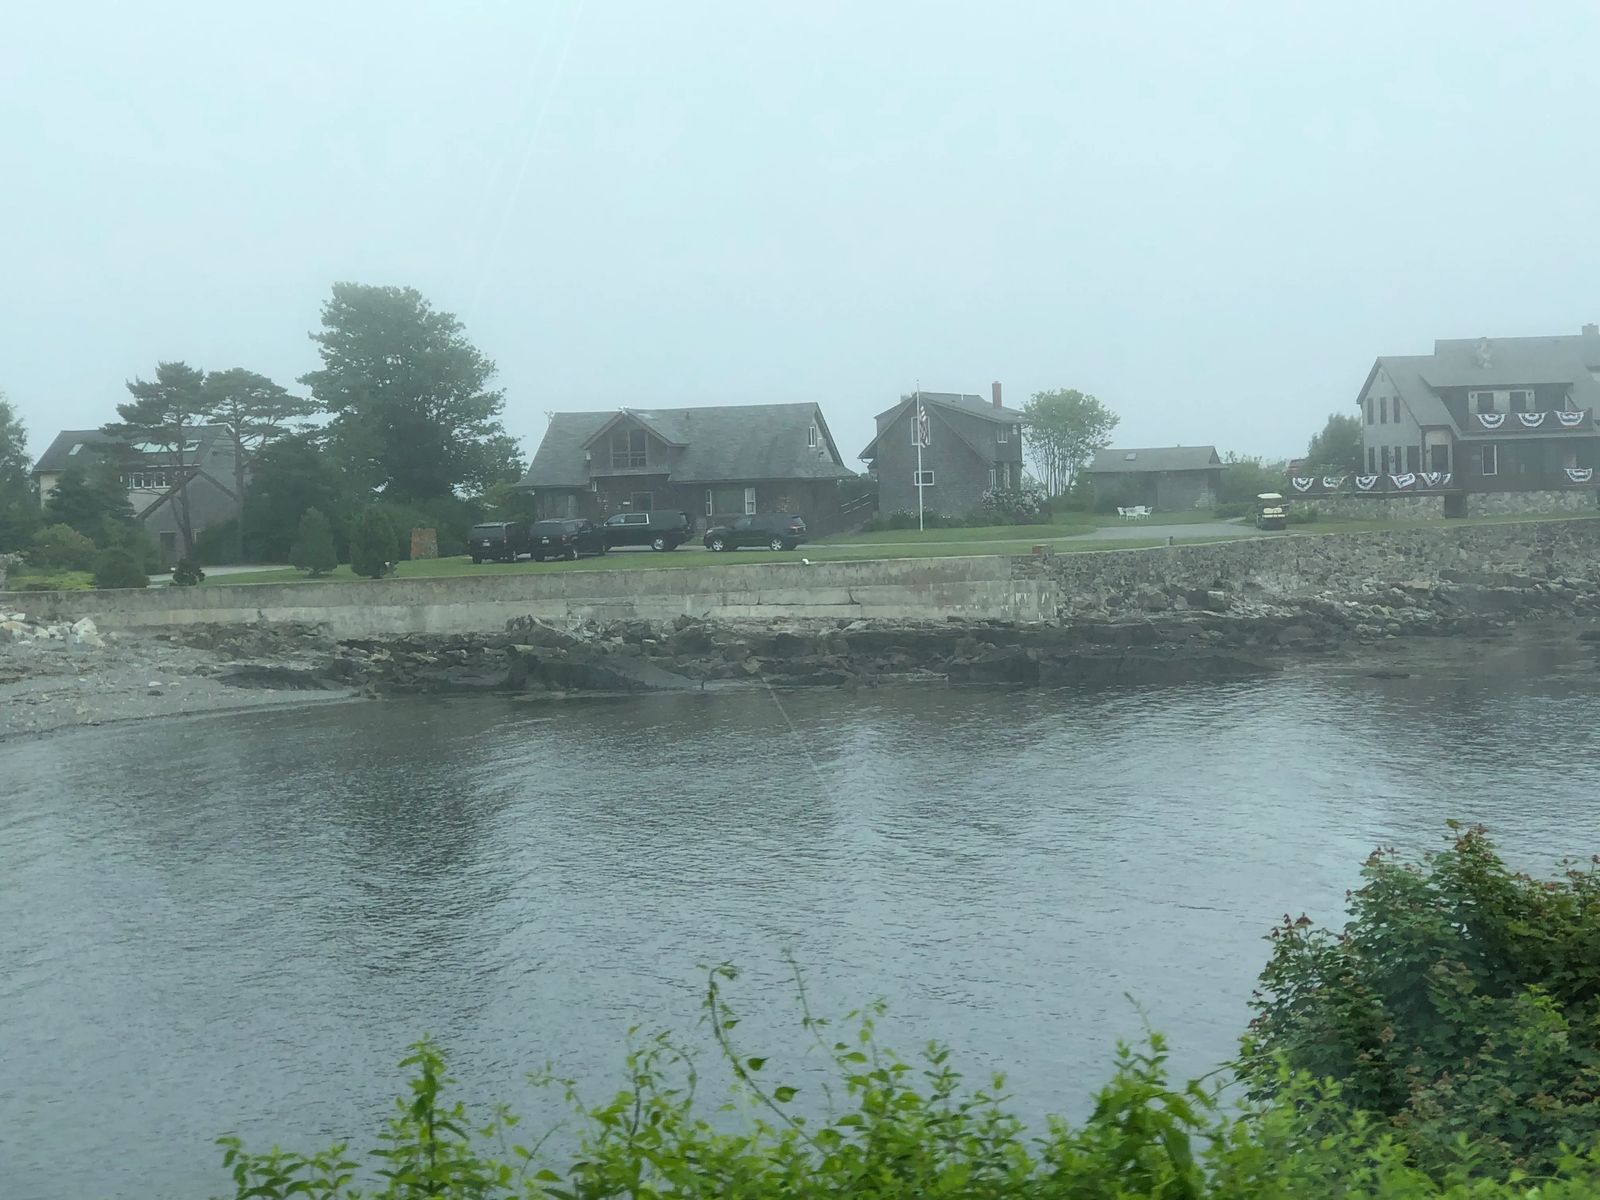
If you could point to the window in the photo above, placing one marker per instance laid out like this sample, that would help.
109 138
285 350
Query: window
636 518
749 501
1413 457
76 446
1481 401
1003 434
813 438
641 501
1005 476
711 502
1383 410
1489 461
148 481
1395 400
993 477
923 478
1384 459
1439 458
1372 461
1522 400
628 449
1366 409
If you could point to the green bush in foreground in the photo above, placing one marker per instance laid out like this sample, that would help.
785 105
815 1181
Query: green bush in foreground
884 1129
119 569
1462 999
1446 1044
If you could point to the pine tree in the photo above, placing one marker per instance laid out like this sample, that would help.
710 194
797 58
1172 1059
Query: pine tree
373 543
312 551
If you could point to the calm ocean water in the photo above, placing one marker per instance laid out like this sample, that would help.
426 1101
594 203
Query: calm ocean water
238 923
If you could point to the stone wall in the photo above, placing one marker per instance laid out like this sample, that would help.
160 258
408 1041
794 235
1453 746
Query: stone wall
1493 504
1478 504
1371 508
1348 563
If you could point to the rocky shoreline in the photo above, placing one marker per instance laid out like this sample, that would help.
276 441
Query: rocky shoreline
57 676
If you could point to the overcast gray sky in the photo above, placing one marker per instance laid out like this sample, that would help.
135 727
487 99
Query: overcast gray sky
1212 216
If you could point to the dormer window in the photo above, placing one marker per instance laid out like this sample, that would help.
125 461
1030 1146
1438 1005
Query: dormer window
813 438
628 449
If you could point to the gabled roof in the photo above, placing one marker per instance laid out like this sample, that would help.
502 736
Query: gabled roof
1569 359
726 444
73 447
1154 458
972 406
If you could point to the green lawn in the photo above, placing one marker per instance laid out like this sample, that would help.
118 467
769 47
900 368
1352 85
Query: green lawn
683 557
934 543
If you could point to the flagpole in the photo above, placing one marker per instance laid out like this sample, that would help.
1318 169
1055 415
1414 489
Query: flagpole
916 434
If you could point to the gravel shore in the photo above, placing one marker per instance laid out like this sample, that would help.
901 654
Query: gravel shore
49 683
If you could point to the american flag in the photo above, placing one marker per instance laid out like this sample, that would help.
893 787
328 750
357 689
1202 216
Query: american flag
922 425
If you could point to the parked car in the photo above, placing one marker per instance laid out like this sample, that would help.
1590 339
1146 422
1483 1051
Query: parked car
658 530
566 538
503 540
775 531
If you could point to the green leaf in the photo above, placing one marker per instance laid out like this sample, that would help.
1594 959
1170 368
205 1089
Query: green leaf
755 1064
784 1094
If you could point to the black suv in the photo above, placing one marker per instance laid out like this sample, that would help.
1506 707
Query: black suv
658 530
498 539
565 538
775 531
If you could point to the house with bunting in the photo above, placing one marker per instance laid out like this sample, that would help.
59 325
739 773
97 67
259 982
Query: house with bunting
1486 424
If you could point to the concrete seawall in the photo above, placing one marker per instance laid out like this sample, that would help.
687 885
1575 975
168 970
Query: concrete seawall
977 588
990 587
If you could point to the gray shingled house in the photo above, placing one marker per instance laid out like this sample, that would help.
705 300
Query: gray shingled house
712 463
973 444
1482 415
1164 478
148 474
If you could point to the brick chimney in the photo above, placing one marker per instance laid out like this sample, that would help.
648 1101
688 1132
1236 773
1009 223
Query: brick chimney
995 389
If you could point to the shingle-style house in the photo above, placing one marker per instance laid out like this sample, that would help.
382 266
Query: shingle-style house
150 479
712 463
972 444
1164 478
1481 415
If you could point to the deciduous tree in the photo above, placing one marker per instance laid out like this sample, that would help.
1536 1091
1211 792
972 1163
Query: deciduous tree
1064 429
414 416
1337 449
19 510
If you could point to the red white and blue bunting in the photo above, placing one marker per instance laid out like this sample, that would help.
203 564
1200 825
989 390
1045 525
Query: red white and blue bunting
1402 482
1333 482
1580 474
1302 484
1366 482
1531 420
1435 479
1491 420
1570 420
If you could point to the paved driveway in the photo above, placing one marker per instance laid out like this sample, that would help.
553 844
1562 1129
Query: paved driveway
1147 529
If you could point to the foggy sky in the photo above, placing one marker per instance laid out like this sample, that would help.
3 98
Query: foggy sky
1211 216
